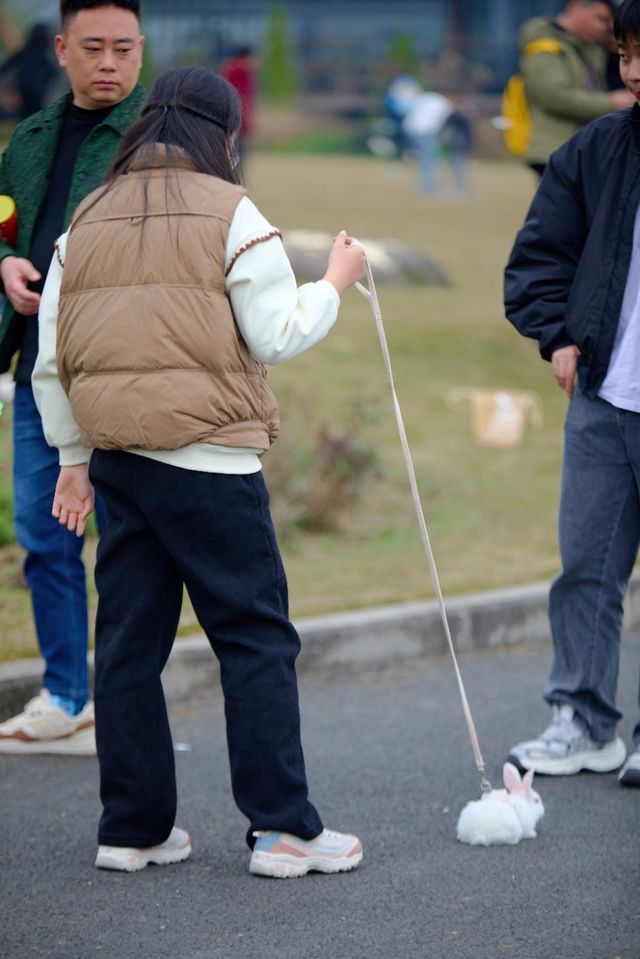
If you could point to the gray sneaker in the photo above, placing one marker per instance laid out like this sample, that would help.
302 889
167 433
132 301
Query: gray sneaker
564 748
629 775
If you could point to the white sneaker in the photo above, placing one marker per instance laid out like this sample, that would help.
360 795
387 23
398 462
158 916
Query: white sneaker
46 729
283 856
176 848
565 748
629 775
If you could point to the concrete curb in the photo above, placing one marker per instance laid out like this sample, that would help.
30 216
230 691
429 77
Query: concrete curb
353 641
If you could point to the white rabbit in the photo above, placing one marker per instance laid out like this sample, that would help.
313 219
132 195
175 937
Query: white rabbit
502 816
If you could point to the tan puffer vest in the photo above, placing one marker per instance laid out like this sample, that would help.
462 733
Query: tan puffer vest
148 349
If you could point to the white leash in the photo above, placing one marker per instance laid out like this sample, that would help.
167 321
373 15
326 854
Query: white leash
372 296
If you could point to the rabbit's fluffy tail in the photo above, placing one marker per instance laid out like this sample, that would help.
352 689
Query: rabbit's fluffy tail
489 823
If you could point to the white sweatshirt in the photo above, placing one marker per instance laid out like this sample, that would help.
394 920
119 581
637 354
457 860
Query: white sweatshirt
277 320
621 385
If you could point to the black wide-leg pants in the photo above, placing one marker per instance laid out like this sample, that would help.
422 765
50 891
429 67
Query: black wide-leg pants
213 533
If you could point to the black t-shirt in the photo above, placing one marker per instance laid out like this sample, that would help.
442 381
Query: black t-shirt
77 126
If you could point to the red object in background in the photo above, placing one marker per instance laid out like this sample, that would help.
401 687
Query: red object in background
239 71
8 220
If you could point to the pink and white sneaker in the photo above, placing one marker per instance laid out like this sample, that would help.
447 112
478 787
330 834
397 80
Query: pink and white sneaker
127 859
283 856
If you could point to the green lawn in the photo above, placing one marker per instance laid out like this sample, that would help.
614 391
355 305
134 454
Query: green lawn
491 513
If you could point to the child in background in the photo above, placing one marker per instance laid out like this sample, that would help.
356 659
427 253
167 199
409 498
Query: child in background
164 300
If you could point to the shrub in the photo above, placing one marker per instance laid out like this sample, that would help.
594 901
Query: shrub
343 463
317 486
278 70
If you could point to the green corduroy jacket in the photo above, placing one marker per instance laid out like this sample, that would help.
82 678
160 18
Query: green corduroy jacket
25 173
558 86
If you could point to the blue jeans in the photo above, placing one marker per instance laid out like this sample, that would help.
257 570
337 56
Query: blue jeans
599 533
459 161
426 147
53 567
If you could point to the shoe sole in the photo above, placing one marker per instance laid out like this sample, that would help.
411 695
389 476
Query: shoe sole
82 743
630 777
288 867
606 760
136 862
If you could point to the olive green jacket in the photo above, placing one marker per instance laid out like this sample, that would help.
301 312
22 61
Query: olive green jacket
25 172
565 89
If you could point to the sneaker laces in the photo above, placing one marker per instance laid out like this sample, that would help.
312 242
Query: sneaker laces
330 834
563 728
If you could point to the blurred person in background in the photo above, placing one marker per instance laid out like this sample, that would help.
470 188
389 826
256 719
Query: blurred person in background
564 64
456 142
240 72
30 72
53 160
423 123
399 95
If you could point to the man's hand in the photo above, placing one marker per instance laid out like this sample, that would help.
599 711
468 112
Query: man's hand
564 363
16 273
74 497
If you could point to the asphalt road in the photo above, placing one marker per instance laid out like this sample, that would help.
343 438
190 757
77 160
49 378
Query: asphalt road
387 757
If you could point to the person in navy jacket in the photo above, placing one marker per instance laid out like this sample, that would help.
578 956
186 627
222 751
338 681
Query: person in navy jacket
573 284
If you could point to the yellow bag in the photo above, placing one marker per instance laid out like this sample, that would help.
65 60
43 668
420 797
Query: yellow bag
515 109
517 119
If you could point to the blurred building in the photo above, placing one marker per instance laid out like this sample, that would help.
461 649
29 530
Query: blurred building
335 43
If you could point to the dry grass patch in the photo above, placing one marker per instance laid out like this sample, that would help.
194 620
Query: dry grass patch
491 513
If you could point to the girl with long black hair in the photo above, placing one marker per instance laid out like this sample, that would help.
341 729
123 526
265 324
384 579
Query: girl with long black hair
165 299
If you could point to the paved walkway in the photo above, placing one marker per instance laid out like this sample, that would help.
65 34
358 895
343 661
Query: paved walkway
376 638
387 756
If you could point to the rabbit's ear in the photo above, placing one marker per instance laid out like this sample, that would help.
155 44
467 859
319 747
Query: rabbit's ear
511 778
527 781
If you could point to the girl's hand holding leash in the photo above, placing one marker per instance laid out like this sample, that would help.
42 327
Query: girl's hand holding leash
347 262
74 498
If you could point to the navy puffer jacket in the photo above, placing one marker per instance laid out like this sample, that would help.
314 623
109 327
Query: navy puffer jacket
565 280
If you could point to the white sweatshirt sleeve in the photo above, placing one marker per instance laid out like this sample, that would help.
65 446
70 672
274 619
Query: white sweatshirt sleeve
59 426
277 319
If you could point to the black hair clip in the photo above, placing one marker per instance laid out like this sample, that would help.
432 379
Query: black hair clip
183 106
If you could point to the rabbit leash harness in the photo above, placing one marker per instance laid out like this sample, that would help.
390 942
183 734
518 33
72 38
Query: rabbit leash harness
371 295
369 292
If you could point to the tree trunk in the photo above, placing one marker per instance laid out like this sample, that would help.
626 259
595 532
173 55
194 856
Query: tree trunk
459 25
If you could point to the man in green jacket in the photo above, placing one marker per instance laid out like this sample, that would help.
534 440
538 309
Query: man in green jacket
53 160
564 68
